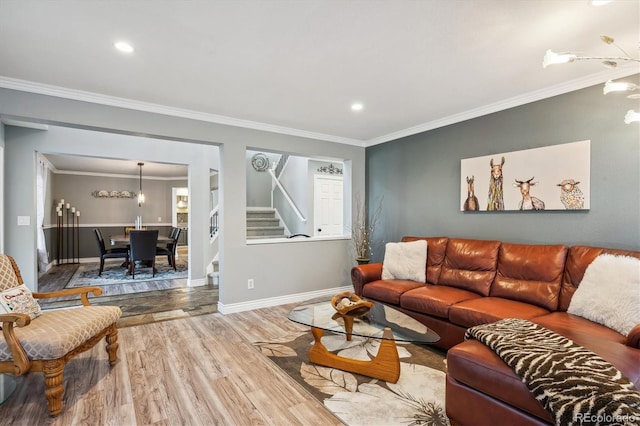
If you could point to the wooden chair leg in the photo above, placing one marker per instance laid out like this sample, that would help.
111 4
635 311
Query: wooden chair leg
112 344
53 376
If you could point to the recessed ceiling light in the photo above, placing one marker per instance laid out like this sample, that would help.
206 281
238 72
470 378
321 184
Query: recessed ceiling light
123 46
357 106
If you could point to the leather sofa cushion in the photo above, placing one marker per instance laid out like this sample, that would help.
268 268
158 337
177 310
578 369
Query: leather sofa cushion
490 309
436 248
470 264
475 365
607 343
530 273
578 259
388 291
434 299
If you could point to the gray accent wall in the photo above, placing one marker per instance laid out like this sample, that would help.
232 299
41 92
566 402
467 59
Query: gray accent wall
77 190
111 215
419 176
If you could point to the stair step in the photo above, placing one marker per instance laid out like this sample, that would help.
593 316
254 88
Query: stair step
254 214
263 237
265 231
262 221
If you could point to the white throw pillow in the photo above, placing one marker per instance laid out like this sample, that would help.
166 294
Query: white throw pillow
405 261
19 300
609 293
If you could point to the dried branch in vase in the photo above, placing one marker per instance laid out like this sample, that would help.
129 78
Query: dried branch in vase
363 230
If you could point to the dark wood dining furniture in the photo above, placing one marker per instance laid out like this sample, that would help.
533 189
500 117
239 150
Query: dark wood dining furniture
121 239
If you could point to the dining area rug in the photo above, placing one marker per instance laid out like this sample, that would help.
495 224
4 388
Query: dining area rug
115 273
417 398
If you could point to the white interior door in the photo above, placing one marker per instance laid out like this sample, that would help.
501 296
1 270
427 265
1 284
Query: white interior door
328 205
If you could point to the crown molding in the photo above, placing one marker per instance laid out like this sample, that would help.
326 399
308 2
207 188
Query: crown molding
96 98
27 124
548 92
114 175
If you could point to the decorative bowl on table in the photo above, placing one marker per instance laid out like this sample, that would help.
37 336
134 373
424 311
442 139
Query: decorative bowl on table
348 303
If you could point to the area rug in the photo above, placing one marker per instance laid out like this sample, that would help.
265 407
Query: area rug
416 399
114 273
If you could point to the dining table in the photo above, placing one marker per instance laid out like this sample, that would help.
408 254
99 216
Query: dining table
122 239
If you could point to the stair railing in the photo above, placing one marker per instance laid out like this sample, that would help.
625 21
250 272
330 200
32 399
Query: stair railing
280 164
286 196
213 223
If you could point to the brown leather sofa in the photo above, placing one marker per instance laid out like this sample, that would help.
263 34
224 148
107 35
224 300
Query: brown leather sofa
472 282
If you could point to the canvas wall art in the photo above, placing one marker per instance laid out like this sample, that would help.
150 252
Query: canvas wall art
548 178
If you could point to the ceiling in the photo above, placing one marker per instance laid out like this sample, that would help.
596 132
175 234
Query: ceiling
295 67
112 167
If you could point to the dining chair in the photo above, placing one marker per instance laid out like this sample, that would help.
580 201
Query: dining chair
114 253
142 250
170 249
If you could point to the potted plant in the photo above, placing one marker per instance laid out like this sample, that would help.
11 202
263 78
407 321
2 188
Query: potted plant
362 230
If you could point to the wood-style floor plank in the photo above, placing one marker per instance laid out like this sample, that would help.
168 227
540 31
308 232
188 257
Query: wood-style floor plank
201 370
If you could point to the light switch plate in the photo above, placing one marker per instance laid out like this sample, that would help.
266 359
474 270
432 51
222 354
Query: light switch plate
24 220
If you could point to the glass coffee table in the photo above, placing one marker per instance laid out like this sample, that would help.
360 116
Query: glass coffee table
381 322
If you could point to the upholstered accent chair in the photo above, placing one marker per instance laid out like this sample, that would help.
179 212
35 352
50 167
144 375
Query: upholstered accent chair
47 342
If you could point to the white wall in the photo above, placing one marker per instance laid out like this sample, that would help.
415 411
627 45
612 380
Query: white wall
278 269
22 144
2 187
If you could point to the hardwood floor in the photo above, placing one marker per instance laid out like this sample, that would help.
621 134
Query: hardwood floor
199 370
168 299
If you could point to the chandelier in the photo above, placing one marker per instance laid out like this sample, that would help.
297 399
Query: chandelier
553 58
140 194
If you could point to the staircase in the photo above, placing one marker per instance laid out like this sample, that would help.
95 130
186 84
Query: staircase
263 223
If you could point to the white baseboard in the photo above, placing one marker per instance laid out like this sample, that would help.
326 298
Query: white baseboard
233 308
197 283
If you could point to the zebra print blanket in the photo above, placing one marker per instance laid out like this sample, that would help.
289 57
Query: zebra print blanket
575 385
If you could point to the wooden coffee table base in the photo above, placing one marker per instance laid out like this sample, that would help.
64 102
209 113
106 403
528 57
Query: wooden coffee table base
385 366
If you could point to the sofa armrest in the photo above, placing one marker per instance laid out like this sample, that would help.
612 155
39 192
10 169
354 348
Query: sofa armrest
633 338
82 291
20 362
362 274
